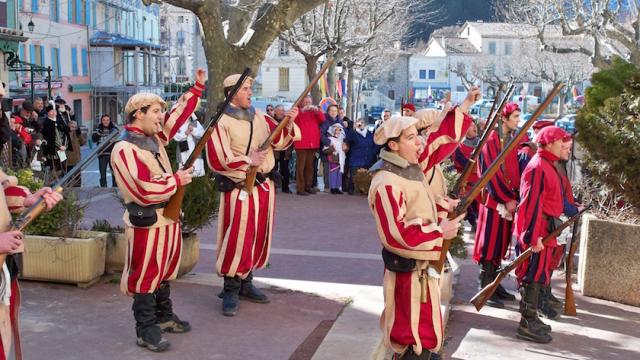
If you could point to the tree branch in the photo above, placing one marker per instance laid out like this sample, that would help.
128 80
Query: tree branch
192 5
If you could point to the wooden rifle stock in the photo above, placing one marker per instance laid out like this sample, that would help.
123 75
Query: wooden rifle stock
36 209
479 299
253 170
492 120
569 298
174 205
466 201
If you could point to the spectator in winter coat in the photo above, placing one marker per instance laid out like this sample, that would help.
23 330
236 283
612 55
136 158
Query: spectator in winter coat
19 129
187 138
331 118
73 155
57 140
362 151
308 120
104 128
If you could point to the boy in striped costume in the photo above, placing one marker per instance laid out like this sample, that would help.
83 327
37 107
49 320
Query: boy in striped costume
145 180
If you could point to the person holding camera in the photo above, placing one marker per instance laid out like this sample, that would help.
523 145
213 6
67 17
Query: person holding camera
187 138
104 128
64 112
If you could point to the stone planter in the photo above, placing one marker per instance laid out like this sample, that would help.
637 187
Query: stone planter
117 253
609 268
79 260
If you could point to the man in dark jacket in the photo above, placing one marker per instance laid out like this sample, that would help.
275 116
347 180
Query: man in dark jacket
58 141
102 130
308 120
362 151
331 118
282 156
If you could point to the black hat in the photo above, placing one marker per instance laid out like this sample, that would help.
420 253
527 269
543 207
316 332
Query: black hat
49 107
27 105
60 100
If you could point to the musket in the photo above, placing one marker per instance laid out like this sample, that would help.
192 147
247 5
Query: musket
36 209
467 200
172 209
492 120
253 170
569 299
479 299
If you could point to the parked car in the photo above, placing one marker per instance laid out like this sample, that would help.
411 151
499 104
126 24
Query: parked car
568 123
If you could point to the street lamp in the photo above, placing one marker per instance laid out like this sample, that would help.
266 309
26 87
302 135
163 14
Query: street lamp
31 25
339 67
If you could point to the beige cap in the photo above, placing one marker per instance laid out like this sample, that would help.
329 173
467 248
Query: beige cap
424 116
233 79
138 101
392 128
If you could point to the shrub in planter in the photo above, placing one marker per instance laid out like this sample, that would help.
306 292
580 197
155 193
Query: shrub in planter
609 130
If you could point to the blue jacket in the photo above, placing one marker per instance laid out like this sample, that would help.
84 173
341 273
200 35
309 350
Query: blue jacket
362 150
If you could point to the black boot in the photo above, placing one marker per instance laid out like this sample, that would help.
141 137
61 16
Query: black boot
503 294
545 309
531 328
167 320
252 293
230 295
487 275
411 355
147 330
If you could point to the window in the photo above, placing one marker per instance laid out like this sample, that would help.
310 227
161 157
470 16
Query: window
36 54
423 74
34 6
117 28
54 10
391 94
180 38
283 79
106 18
180 19
77 111
74 61
76 11
432 74
492 47
283 48
55 62
85 62
507 48
182 65
20 5
21 52
460 88
94 22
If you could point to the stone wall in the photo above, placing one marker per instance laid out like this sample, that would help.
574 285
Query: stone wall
609 265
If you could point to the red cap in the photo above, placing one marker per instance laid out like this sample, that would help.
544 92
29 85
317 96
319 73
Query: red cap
509 109
409 106
550 134
542 124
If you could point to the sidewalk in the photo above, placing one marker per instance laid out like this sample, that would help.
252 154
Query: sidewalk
602 329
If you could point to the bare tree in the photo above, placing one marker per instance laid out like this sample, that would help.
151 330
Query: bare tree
608 27
352 31
237 33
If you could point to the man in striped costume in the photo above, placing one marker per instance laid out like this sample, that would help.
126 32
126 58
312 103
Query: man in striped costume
14 199
245 222
144 178
495 214
541 204
410 229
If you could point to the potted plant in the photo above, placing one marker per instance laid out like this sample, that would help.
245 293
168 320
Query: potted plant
55 248
607 128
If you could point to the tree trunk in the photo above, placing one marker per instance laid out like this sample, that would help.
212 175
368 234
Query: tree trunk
331 82
312 69
350 94
561 101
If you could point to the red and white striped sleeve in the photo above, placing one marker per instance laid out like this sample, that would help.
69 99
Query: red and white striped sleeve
15 197
220 157
405 237
444 141
135 179
180 112
289 134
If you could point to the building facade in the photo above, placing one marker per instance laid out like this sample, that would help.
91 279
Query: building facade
282 74
181 36
126 54
10 38
57 37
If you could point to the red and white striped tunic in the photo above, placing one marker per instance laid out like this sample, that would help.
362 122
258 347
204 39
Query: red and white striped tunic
407 224
245 227
11 201
153 252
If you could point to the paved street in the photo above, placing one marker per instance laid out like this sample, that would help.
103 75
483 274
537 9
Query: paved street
324 281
